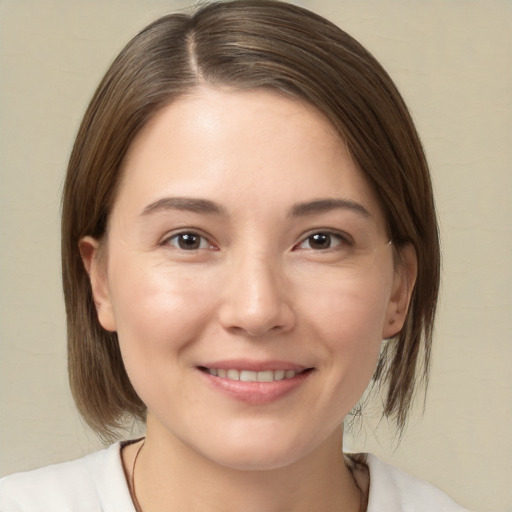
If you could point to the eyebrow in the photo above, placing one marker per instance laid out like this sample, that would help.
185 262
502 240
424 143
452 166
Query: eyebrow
184 203
197 205
326 205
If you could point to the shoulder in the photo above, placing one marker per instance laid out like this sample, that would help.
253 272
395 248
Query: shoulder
87 484
393 489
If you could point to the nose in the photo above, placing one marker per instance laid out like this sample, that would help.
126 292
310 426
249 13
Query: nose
256 298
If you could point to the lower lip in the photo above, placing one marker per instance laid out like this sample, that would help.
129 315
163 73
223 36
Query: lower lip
256 392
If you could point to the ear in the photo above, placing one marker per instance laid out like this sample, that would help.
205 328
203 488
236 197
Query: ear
406 269
96 269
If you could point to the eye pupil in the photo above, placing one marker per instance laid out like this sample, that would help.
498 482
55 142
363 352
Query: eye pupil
189 241
320 241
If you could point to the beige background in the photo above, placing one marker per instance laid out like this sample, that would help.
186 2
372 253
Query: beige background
452 61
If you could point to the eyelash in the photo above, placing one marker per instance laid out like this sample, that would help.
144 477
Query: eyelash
182 234
342 240
204 243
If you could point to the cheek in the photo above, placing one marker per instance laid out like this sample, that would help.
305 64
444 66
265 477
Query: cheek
350 312
156 311
350 321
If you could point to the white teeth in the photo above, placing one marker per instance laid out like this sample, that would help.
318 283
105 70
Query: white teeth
233 374
251 376
279 375
267 376
248 376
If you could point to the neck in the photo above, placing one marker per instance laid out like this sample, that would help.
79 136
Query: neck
172 476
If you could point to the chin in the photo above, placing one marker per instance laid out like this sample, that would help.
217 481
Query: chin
256 460
257 451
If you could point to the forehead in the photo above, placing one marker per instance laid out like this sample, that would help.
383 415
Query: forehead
228 116
257 148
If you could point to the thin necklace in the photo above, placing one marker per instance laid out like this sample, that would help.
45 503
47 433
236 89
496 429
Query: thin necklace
351 465
132 479
138 508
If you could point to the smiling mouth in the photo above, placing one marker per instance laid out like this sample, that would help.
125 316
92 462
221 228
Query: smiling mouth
253 376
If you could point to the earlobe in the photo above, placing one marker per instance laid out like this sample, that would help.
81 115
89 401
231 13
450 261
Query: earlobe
95 267
403 285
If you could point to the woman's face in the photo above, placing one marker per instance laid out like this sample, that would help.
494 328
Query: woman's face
248 275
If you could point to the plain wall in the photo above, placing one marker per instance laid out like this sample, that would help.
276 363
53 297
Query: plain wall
452 62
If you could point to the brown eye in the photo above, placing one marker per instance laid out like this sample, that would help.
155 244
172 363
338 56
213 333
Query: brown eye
188 241
321 241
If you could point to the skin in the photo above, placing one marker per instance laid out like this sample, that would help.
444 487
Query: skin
255 289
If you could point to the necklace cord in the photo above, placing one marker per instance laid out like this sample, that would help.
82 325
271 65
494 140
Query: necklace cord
132 479
350 464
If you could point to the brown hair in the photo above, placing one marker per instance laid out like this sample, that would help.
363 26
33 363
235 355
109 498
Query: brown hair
246 44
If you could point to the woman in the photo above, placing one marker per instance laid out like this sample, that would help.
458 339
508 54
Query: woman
247 215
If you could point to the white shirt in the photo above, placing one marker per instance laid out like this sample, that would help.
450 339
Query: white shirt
96 483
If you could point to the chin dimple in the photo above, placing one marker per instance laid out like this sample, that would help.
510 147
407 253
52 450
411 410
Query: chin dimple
252 376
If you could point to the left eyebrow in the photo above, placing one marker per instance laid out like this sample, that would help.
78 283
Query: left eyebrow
326 205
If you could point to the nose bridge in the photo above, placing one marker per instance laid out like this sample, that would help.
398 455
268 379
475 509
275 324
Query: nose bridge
256 296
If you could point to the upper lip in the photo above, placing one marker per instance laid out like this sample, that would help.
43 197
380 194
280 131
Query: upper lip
255 366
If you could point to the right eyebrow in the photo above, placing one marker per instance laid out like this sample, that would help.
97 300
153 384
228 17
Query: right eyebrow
183 203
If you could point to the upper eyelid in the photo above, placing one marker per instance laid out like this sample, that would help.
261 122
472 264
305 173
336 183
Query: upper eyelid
341 234
186 231
327 231
343 241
